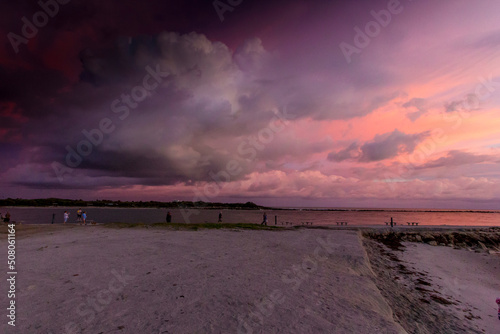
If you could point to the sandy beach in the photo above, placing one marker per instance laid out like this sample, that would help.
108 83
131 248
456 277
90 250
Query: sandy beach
95 279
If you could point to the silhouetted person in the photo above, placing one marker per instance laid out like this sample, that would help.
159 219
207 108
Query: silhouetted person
169 217
53 217
498 303
264 219
220 217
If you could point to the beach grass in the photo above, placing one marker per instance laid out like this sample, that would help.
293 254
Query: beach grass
485 238
24 230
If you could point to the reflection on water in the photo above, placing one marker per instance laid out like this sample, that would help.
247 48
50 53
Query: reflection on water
126 215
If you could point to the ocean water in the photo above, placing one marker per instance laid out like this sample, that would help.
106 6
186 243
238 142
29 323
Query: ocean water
354 217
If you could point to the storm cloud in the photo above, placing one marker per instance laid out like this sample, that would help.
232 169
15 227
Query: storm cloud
382 147
158 99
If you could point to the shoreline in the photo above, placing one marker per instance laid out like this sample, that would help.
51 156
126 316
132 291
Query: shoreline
323 218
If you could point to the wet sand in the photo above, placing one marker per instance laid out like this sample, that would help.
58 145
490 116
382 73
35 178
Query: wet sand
444 281
468 279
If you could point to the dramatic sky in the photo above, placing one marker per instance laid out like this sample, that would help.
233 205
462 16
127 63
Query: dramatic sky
290 103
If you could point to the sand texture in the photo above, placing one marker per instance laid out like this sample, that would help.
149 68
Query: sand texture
439 289
468 279
97 279
101 280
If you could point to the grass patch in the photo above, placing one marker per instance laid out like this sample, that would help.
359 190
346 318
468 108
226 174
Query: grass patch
25 230
194 227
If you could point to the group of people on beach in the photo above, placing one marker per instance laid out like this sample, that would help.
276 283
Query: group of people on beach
81 217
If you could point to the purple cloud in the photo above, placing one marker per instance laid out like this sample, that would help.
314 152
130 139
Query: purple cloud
457 158
382 147
416 103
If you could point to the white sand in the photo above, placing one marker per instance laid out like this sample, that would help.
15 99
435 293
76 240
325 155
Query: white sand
470 279
99 280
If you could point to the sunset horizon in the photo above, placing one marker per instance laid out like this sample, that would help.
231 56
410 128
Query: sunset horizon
250 166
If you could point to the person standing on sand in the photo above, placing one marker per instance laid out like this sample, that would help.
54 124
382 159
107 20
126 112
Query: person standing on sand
66 216
169 217
264 219
220 217
53 217
84 217
498 304
79 215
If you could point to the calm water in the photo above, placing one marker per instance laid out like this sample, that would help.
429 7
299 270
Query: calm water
107 215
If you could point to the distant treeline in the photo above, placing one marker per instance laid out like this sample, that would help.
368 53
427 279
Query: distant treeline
126 204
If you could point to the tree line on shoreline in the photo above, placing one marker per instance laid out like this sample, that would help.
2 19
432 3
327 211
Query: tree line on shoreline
51 202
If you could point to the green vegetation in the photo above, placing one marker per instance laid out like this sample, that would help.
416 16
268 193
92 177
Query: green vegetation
195 227
127 204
